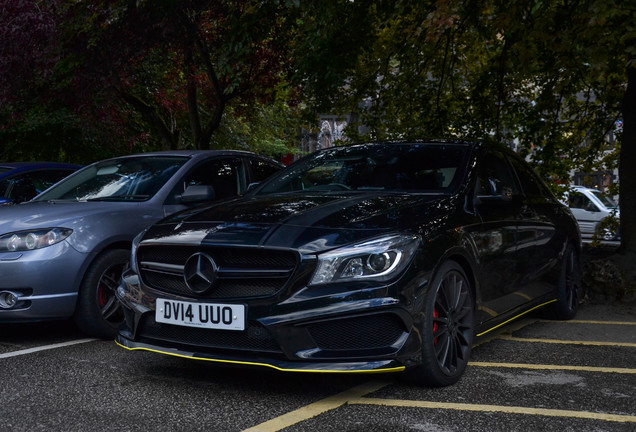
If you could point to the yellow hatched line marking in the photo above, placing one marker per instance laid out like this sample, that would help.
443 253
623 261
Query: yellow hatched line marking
316 408
555 367
566 342
496 408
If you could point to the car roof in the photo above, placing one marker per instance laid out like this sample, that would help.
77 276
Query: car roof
37 165
418 142
195 154
584 188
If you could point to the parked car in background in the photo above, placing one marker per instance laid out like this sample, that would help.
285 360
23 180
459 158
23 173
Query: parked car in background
590 207
62 254
21 181
369 258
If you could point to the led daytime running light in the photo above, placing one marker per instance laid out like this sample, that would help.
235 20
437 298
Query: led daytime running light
378 259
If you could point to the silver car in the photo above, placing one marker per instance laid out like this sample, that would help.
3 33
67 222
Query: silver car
590 207
62 253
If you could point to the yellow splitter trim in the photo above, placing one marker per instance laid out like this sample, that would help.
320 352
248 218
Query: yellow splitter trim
246 363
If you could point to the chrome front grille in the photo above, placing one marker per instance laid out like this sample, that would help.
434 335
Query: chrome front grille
241 273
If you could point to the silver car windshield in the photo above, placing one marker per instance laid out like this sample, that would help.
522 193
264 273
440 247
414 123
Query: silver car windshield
606 200
428 168
124 179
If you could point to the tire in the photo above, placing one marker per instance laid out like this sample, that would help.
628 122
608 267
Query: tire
447 330
570 291
98 312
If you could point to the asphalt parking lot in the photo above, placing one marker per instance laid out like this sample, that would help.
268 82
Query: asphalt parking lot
534 375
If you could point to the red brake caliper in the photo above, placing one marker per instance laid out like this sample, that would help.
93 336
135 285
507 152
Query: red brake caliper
435 324
101 296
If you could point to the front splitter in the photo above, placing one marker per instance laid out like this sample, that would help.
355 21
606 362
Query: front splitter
380 366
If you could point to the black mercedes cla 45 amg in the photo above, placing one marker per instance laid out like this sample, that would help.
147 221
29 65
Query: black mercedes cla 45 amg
383 257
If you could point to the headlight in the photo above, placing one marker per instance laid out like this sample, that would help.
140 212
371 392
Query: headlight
34 239
378 259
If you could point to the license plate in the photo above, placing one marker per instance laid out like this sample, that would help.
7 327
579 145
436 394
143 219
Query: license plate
206 315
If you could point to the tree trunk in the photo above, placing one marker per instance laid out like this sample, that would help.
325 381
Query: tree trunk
169 139
626 170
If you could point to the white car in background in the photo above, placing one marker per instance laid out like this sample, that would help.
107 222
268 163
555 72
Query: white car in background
590 207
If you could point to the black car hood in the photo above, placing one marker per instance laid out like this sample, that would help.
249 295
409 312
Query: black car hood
308 222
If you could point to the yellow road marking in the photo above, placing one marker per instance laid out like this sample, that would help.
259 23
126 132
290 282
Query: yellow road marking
356 395
489 311
566 342
522 295
496 408
555 367
316 408
593 322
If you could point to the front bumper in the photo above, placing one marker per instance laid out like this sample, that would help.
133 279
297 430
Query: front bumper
361 330
45 282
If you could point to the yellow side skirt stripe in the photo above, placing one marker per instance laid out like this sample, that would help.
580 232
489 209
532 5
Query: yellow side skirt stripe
515 317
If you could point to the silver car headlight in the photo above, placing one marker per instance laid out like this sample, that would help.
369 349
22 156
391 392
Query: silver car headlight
379 259
33 239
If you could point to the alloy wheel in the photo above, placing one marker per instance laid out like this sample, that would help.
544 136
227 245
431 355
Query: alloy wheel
106 300
452 323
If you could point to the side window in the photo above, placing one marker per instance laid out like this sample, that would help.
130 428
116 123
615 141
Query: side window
25 186
21 188
530 183
43 180
5 188
494 176
224 175
261 170
579 201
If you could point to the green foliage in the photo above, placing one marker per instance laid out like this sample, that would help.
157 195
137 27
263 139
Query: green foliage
607 229
144 75
268 129
546 78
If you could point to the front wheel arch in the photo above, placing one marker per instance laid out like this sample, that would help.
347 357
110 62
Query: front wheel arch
97 312
447 328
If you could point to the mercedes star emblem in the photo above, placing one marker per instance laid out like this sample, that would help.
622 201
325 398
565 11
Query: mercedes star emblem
199 272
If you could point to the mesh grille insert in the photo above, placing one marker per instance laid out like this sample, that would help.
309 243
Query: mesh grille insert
363 332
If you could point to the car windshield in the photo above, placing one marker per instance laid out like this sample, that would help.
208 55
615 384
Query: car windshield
124 179
436 168
606 200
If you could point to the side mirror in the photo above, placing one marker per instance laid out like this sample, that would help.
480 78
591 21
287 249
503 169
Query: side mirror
497 192
252 186
196 194
592 208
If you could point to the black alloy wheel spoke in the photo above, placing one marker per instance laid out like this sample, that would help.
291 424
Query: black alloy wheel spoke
571 290
106 288
443 350
453 321
110 308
